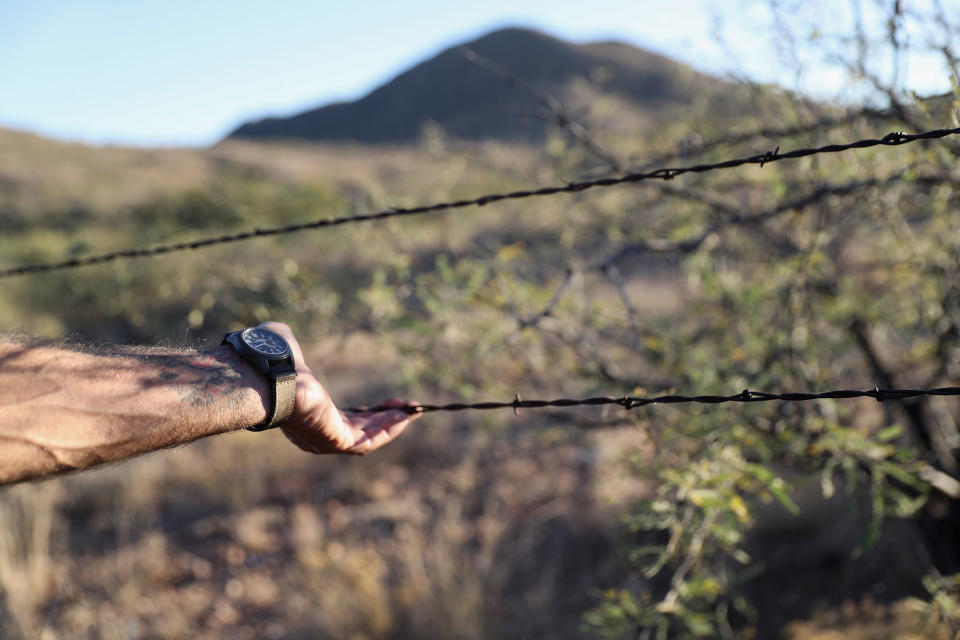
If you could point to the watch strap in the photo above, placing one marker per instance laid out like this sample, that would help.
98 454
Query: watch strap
282 379
283 393
284 396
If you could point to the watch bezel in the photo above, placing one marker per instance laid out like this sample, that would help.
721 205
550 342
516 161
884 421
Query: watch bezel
271 356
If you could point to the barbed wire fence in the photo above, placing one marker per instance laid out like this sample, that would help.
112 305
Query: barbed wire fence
554 112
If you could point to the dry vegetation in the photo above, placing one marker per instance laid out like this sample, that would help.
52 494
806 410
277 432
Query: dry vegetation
473 525
461 530
250 539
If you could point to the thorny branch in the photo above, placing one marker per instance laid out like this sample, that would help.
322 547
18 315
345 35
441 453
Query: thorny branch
731 217
553 110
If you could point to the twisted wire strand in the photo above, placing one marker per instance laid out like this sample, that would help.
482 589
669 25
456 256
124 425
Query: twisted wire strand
666 173
737 137
634 402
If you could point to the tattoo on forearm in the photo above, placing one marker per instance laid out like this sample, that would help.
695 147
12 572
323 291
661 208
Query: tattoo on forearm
203 379
212 388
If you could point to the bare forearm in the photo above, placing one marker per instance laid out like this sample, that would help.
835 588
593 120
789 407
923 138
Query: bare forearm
62 409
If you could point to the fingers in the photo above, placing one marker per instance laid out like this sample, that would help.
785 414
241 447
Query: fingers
397 402
393 402
380 428
358 433
318 427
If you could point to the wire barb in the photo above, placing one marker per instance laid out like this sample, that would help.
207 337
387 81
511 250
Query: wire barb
769 155
665 173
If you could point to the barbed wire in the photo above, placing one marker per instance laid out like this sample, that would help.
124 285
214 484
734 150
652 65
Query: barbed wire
825 123
635 402
895 138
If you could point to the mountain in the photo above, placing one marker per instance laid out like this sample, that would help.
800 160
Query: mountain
473 103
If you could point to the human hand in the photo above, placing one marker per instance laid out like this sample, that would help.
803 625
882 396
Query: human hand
316 424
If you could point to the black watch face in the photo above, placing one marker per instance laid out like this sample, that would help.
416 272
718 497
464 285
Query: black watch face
265 342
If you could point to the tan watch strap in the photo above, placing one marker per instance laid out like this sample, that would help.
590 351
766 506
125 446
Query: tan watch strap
283 394
284 397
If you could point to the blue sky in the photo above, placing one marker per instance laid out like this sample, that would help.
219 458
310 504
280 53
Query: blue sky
183 72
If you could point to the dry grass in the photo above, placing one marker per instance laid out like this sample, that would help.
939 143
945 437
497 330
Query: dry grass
39 174
869 620
245 537
469 527
462 529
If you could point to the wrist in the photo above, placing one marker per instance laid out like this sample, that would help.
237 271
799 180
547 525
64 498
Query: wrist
254 394
270 355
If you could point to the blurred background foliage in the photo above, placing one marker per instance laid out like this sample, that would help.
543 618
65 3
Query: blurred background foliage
746 521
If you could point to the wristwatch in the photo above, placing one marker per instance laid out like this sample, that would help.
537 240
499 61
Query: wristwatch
270 354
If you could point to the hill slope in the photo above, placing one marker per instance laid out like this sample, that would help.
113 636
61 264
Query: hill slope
473 103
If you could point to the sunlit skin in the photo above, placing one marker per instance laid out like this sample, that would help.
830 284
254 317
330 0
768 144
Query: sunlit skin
64 409
318 426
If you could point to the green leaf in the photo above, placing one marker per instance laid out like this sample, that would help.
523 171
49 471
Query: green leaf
890 433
